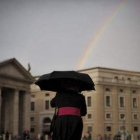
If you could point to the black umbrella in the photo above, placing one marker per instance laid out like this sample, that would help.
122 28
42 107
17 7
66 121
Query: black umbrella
57 81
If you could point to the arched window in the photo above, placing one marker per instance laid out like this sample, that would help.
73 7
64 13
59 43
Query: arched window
46 125
47 120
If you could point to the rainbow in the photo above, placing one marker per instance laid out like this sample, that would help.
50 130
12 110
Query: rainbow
98 34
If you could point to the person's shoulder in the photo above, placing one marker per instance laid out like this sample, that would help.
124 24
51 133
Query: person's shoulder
81 95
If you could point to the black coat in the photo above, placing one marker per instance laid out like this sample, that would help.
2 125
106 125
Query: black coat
69 127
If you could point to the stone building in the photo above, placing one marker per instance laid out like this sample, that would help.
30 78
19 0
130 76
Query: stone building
41 113
112 108
15 83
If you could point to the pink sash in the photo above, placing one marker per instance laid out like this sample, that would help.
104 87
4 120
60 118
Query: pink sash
69 111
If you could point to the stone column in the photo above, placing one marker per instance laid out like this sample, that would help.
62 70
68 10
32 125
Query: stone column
128 101
99 126
115 110
15 112
0 108
26 111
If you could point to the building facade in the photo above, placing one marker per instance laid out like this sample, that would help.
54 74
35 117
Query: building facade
15 83
112 108
40 112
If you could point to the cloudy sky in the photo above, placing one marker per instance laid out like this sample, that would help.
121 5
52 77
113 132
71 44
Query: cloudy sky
71 34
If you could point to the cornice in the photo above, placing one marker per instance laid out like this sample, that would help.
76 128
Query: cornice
112 70
15 78
116 84
4 85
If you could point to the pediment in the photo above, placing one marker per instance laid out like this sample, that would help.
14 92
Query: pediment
13 68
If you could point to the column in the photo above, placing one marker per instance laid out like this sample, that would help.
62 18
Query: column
15 112
26 111
99 127
128 110
0 108
115 113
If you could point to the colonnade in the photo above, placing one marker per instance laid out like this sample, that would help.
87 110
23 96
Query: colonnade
14 111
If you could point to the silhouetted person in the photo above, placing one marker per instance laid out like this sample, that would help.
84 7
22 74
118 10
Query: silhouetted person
71 106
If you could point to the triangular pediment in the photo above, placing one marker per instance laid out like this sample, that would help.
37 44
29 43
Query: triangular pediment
13 68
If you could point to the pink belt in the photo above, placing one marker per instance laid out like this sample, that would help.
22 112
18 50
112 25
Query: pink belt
69 111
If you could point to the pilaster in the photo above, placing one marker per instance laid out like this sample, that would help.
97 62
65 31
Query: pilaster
115 114
128 110
26 111
16 112
99 109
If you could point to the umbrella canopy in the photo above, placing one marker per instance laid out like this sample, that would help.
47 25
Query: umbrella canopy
57 81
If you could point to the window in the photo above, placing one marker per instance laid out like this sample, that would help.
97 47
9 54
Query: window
123 78
135 116
32 130
134 102
108 128
128 79
47 94
107 89
122 116
89 116
108 101
32 119
32 96
88 101
46 124
46 120
133 91
121 101
32 106
116 77
89 128
108 116
46 104
121 90
135 128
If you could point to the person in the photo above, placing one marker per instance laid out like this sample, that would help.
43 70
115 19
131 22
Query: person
7 135
24 135
105 136
42 137
71 106
109 137
1 137
100 137
27 135
84 138
138 137
88 135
